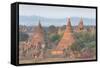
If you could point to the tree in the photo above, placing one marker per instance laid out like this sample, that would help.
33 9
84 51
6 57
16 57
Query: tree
83 40
55 38
23 36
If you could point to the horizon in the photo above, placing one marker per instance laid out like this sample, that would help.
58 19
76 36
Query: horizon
33 20
54 15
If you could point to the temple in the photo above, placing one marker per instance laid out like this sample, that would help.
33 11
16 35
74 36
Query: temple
67 38
80 26
38 42
66 41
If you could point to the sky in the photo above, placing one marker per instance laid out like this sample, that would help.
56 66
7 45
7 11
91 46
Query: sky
55 12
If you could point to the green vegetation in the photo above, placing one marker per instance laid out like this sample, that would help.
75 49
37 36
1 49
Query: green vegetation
55 38
23 36
84 40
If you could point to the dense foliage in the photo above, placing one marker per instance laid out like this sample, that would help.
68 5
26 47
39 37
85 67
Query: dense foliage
23 36
85 44
84 39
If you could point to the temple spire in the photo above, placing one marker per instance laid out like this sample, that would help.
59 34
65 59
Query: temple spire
80 25
39 28
39 24
68 26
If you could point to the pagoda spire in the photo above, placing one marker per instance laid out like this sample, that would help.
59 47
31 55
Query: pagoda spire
80 26
40 24
68 26
39 28
81 23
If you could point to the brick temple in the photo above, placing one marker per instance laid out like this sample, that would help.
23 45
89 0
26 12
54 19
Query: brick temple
80 26
38 37
67 38
66 41
38 42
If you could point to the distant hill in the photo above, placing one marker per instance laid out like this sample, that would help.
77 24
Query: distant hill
33 20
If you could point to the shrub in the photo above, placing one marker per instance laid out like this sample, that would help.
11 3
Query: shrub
83 40
55 38
23 36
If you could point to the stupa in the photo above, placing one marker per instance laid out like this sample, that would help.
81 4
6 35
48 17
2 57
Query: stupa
68 38
38 42
66 41
80 26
